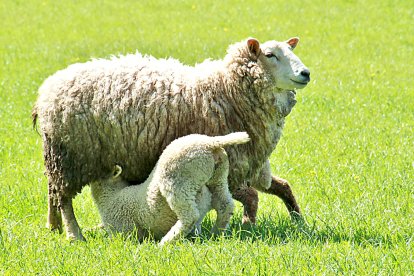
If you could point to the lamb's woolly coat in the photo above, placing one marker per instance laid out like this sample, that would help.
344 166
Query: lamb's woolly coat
126 110
177 194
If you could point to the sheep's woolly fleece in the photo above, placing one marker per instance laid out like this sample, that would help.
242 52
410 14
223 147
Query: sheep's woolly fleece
126 110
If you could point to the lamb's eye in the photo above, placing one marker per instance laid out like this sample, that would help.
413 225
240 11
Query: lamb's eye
271 55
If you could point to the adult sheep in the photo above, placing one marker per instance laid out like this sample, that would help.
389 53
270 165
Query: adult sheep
126 110
189 179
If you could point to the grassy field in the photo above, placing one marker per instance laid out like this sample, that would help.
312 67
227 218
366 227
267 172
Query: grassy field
347 149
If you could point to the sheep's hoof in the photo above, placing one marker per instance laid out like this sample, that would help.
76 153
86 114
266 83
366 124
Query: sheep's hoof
247 225
75 238
295 216
248 220
215 232
54 228
54 221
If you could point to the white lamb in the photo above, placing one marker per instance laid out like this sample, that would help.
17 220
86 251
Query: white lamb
189 179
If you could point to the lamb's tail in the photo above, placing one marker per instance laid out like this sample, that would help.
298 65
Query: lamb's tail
234 138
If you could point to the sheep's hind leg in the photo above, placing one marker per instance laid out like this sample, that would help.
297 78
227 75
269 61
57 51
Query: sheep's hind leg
249 197
73 231
54 219
280 187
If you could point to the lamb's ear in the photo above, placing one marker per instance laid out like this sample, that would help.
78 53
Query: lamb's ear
293 42
254 46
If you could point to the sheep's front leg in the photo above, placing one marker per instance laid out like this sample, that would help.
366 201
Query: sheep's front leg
280 187
73 231
274 185
174 233
249 197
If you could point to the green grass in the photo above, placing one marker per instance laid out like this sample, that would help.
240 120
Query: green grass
347 149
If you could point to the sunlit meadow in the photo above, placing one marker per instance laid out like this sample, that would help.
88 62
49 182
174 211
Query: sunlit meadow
347 149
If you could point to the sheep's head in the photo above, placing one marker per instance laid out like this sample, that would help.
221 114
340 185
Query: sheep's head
280 63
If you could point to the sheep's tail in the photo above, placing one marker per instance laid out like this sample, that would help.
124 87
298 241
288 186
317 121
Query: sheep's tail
235 138
34 118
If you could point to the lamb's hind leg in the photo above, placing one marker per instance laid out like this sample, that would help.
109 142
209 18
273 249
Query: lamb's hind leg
222 200
223 203
73 231
185 207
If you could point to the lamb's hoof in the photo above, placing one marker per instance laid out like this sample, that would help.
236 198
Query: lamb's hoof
166 241
217 232
54 223
76 240
163 243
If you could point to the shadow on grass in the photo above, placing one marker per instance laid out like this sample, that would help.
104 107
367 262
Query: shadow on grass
280 230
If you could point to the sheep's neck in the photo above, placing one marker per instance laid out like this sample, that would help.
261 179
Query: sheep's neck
255 111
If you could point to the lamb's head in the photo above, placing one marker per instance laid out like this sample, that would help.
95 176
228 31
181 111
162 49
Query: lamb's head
279 62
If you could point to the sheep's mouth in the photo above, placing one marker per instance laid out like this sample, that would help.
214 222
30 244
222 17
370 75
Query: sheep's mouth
299 82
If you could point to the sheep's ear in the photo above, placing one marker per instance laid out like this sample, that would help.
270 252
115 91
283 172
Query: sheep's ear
293 42
254 46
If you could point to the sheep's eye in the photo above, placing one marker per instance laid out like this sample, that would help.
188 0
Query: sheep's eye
271 55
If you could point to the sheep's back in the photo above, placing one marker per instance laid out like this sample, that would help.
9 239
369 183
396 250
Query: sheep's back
126 111
121 111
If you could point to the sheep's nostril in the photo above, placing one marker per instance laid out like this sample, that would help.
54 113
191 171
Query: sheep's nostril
305 73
